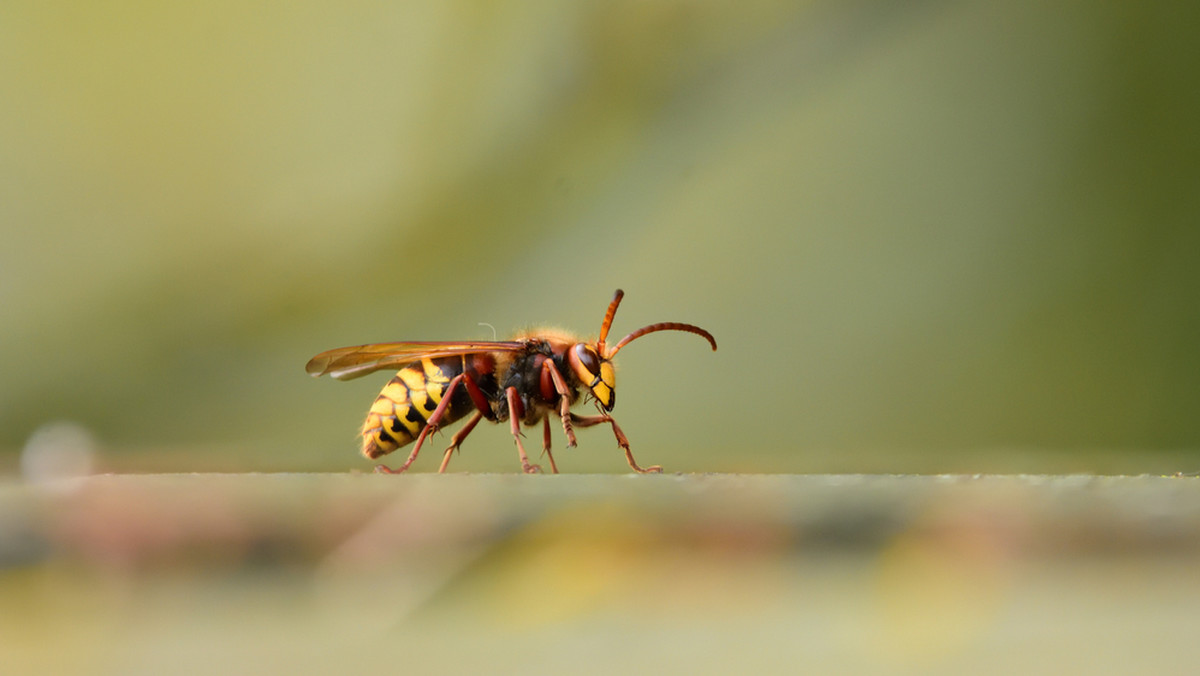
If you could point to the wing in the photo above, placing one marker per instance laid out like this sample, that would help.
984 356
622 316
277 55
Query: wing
347 363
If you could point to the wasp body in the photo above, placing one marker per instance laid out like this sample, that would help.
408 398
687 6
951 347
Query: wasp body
529 379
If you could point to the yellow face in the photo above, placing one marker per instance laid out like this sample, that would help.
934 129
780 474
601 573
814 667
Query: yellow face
595 372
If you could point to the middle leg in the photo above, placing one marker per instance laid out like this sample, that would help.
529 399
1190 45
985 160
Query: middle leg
546 443
516 411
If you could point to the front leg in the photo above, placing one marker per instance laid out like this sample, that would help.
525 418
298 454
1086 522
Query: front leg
622 441
564 401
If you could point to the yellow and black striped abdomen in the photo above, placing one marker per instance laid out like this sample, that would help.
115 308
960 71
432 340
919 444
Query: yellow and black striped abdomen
402 409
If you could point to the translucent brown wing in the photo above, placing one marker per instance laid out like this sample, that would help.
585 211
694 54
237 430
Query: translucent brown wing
347 363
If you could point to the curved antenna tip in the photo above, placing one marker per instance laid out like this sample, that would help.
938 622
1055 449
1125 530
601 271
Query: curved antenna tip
664 326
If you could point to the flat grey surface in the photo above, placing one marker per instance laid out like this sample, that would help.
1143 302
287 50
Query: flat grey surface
313 573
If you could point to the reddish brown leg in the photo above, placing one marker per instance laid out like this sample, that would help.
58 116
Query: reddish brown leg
564 401
588 421
434 421
546 443
457 439
516 411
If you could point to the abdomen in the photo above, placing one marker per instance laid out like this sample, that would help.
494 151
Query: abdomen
403 408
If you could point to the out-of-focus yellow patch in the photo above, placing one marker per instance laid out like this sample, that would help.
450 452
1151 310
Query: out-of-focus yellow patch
939 586
564 565
603 557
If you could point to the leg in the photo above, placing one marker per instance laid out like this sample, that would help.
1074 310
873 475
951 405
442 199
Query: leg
588 421
435 420
564 401
516 411
546 443
457 439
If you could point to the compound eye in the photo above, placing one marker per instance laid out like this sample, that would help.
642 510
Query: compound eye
588 359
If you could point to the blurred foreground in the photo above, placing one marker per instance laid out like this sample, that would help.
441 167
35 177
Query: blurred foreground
316 573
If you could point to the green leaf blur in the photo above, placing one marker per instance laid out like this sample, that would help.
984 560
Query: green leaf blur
927 236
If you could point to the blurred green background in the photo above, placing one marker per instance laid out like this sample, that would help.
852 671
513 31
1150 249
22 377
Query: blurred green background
927 236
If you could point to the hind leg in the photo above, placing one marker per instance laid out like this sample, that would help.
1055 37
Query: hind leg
457 439
435 419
